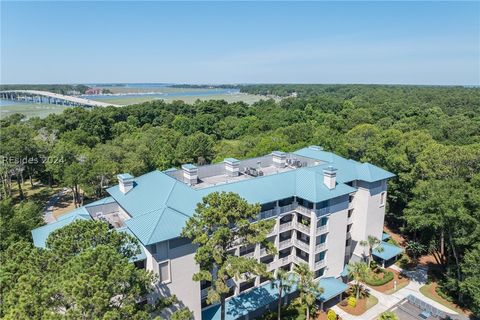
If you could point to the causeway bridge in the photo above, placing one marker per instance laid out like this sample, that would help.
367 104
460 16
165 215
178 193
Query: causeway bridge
37 96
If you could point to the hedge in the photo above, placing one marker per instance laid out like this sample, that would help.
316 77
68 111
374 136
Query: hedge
375 281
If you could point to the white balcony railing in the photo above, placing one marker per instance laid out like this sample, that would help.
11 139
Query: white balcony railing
248 255
285 260
298 260
286 226
273 231
285 244
263 252
320 247
319 264
302 245
304 210
272 265
305 229
322 229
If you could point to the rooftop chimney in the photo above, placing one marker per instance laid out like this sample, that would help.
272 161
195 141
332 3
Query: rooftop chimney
125 182
190 174
231 167
279 159
330 177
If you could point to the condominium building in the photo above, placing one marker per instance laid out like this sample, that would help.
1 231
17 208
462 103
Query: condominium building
323 206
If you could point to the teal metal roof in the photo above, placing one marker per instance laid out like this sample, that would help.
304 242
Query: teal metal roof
332 287
259 297
345 271
159 204
389 251
157 226
41 234
348 170
385 236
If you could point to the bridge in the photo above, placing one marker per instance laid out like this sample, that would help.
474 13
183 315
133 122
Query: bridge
36 96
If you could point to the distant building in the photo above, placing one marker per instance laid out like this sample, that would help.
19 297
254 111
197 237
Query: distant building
323 206
94 91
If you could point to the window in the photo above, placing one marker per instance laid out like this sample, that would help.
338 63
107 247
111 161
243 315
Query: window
348 242
350 212
164 271
382 198
349 227
350 198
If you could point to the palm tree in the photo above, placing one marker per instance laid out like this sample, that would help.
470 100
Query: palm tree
283 283
308 288
358 271
372 243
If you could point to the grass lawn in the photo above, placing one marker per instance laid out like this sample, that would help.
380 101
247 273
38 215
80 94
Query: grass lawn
38 193
31 109
428 290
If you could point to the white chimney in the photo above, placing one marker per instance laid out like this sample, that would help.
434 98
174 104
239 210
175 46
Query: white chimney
125 182
232 166
279 159
190 174
330 177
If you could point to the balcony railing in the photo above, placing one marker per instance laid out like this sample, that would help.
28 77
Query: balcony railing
268 213
285 260
248 255
287 208
320 247
286 226
322 229
319 264
204 292
304 210
272 265
302 245
285 244
273 231
305 229
299 260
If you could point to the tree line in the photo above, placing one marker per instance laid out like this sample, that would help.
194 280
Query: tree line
428 136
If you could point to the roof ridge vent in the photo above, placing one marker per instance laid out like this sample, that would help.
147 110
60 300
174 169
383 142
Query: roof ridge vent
316 148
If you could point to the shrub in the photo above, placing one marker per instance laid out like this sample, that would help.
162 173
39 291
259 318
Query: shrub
373 280
373 264
388 315
352 302
331 315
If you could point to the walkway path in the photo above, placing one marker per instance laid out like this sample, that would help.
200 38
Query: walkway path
48 216
418 278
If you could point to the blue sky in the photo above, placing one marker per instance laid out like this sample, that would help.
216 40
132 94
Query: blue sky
241 42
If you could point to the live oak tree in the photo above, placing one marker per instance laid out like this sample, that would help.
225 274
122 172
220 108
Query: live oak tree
222 222
92 280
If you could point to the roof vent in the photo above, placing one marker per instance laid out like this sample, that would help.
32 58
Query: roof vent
232 167
330 177
279 159
125 182
190 174
317 148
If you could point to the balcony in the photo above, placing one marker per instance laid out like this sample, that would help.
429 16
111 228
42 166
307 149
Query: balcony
305 229
285 260
322 229
304 210
285 244
299 260
321 212
286 226
272 265
287 208
268 214
320 247
302 245
248 255
319 264
273 231
204 292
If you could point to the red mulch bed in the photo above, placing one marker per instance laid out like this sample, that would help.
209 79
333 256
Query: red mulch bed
359 309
